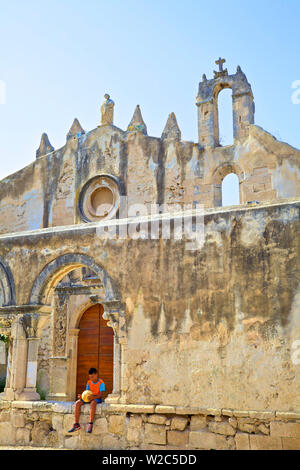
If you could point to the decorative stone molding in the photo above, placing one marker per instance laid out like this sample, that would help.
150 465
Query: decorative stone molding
115 315
59 325
99 199
6 325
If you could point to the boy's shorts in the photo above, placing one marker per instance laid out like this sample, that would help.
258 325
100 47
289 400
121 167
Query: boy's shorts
98 400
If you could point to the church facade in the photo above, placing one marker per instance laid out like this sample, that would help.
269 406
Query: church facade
116 253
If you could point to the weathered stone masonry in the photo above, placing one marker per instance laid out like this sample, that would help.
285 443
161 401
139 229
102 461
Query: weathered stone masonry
203 338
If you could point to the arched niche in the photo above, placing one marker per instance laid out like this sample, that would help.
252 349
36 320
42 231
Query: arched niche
230 190
218 177
7 286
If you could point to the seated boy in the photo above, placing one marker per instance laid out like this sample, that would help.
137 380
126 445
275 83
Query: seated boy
96 386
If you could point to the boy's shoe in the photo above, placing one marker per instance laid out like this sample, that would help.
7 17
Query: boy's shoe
90 428
75 427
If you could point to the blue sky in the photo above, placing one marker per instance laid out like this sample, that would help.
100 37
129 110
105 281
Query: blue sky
58 58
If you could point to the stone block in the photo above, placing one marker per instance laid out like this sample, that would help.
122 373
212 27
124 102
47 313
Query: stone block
136 422
198 422
240 414
62 407
178 438
149 409
40 432
155 434
58 422
34 416
26 405
233 422
208 440
290 443
221 428
258 442
89 441
165 409
287 415
263 429
133 435
280 429
42 406
213 411
71 442
242 441
116 424
22 436
267 415
246 427
7 434
100 426
117 408
5 416
18 420
227 412
186 411
157 419
179 423
110 442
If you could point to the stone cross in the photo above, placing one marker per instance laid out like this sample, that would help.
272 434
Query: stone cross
221 72
220 63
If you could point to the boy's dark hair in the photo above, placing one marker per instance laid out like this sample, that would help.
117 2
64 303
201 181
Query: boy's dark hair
92 371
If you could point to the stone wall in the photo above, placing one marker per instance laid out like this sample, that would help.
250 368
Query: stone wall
149 171
224 318
46 424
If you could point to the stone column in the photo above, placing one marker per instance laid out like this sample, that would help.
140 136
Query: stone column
17 362
73 338
114 313
33 325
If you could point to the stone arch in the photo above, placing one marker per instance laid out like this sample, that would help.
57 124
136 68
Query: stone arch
218 176
54 271
7 285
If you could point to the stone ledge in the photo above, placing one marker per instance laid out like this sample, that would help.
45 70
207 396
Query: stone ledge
68 407
281 415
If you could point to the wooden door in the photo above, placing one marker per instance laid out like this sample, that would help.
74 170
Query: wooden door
95 349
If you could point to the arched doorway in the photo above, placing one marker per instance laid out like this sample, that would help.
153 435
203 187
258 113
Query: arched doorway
95 349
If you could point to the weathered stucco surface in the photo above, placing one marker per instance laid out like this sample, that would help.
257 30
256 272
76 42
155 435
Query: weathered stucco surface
208 328
222 322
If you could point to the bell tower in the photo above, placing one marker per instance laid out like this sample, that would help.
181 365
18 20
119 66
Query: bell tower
207 103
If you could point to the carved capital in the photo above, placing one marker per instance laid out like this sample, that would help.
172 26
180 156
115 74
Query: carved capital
6 325
114 314
30 323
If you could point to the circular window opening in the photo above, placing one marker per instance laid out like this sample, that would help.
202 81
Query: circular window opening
100 199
